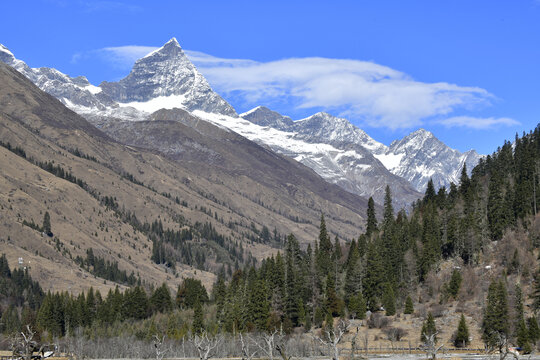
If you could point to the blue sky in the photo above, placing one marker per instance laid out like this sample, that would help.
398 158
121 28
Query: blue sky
469 71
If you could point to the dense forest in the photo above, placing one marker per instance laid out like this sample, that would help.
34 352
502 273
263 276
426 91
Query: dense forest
379 272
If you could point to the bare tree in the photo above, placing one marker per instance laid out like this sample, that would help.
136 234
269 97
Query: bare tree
332 336
394 334
159 346
23 345
501 344
247 354
282 352
206 345
430 346
353 343
269 345
366 340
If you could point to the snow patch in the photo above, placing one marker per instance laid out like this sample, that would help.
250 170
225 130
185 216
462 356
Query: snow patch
157 103
6 50
390 160
250 111
93 89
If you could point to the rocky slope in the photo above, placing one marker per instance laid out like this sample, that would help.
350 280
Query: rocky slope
334 148
416 158
238 195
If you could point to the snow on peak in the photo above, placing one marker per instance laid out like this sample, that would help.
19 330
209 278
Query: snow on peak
255 109
6 50
173 41
422 133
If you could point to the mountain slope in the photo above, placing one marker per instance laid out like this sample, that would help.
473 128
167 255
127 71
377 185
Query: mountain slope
416 158
420 156
334 148
103 186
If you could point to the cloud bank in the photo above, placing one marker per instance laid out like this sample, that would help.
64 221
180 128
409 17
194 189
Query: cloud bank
478 123
369 93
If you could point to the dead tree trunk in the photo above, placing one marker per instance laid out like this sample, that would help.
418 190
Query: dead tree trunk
159 346
205 345
247 354
269 344
332 337
431 347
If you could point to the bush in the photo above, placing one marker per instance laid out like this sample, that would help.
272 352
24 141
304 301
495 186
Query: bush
378 321
395 334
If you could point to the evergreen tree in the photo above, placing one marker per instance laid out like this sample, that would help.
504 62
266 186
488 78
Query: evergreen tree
430 191
454 283
161 300
495 322
373 281
371 226
409 307
536 292
521 331
324 254
388 218
462 335
258 308
534 330
333 304
47 224
353 274
198 318
389 300
428 328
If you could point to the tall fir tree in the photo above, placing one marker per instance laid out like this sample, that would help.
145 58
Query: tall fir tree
47 224
428 329
495 321
371 226
324 255
462 334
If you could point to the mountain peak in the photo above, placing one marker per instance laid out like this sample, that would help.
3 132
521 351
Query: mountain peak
170 49
173 41
6 56
263 116
422 132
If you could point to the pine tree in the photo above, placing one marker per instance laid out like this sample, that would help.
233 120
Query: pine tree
332 304
536 292
409 308
388 218
198 319
161 300
47 224
428 329
371 226
259 308
373 281
430 191
462 335
521 331
495 322
454 283
534 330
389 300
324 255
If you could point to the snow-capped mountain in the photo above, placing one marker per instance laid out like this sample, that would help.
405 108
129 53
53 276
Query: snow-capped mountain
420 156
163 77
415 158
338 151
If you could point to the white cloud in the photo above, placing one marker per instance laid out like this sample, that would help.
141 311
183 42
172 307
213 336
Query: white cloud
374 94
369 93
124 56
478 123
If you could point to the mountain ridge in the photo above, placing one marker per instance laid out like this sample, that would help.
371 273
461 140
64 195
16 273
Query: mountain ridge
337 150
